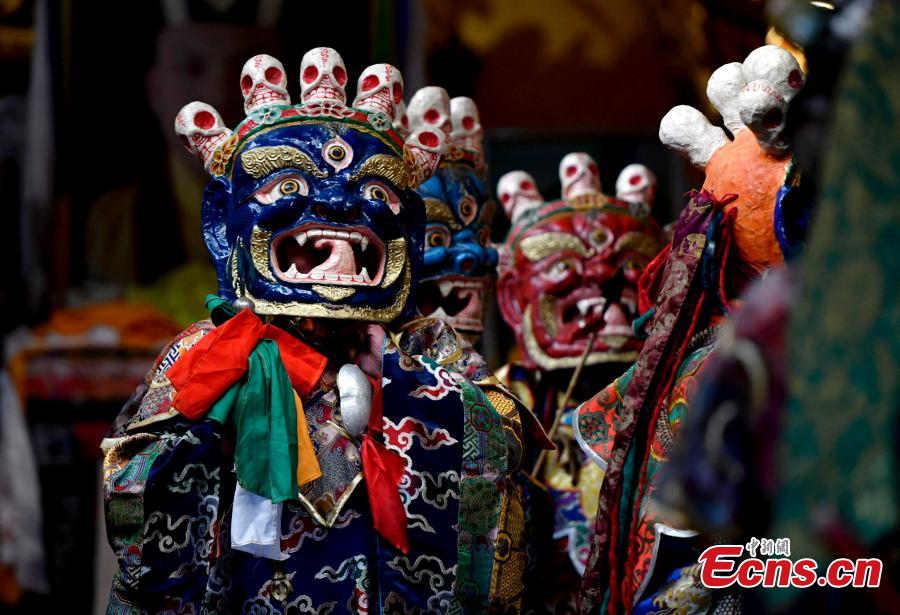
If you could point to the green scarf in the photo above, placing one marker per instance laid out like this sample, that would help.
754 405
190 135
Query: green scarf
261 408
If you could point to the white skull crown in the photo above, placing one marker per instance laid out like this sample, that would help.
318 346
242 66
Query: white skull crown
518 194
751 95
201 130
379 89
430 108
578 175
263 82
401 120
636 184
323 77
466 132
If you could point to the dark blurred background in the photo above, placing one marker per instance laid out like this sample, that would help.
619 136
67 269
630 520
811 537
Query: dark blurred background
101 235
112 199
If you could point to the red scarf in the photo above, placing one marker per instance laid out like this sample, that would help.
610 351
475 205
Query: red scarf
219 359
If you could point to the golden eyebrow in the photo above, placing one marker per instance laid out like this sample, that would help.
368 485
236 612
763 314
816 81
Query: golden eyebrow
537 247
438 211
638 242
260 161
391 168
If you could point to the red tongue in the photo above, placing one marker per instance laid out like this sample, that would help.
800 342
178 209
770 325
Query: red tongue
341 259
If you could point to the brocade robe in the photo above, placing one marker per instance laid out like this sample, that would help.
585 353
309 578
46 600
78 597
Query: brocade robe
170 483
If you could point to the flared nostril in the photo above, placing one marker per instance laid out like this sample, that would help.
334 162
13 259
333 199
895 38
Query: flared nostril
348 213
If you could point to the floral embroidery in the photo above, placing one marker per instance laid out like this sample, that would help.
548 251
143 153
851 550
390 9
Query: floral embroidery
222 156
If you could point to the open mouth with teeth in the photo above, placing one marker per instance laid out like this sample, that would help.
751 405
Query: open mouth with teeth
322 254
458 300
579 315
558 335
265 96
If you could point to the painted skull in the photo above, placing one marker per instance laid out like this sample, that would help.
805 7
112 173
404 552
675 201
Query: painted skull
571 272
460 263
430 107
323 76
263 82
201 130
401 120
636 184
379 88
316 215
518 193
578 174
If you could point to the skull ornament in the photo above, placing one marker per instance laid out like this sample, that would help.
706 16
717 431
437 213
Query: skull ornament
424 149
570 272
578 175
752 98
518 194
460 262
379 89
401 120
466 132
311 214
636 184
769 63
323 76
201 130
764 111
263 82
430 108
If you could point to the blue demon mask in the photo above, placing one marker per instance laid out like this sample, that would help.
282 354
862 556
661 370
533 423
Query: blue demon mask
312 209
460 263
